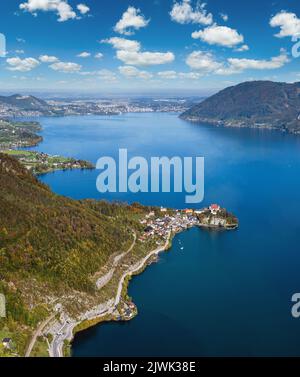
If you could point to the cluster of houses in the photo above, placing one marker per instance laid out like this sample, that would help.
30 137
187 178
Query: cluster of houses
126 311
43 162
172 221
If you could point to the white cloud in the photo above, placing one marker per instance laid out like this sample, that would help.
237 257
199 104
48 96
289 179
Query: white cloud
128 51
66 67
242 48
145 58
273 63
183 13
107 75
123 44
83 9
202 61
48 59
172 75
22 65
133 72
205 62
103 74
131 20
20 52
99 55
61 7
190 75
84 55
224 17
169 75
219 35
288 22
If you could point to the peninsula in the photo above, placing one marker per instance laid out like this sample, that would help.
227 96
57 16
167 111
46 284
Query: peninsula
69 267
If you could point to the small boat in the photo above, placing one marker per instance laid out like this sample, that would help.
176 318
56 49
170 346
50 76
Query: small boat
182 248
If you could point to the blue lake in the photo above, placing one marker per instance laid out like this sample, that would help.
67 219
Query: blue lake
226 293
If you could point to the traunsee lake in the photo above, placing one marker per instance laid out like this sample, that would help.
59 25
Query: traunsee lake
225 293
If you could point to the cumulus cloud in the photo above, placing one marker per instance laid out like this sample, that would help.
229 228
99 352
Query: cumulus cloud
131 20
128 51
183 13
145 58
133 72
205 62
123 44
62 8
84 55
22 65
202 61
99 55
288 23
242 48
48 59
273 63
219 35
66 67
83 9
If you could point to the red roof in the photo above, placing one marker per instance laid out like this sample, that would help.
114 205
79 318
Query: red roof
214 206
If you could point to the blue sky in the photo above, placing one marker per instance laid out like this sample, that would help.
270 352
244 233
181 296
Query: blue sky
146 45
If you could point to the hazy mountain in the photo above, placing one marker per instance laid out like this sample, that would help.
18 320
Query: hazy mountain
261 104
25 102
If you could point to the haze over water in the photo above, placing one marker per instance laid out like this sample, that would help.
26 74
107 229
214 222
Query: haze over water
226 293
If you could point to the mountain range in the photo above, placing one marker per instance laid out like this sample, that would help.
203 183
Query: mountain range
257 104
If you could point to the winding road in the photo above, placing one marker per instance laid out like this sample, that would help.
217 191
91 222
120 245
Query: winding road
66 331
37 333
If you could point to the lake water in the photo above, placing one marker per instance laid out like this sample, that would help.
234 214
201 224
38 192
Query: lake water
226 293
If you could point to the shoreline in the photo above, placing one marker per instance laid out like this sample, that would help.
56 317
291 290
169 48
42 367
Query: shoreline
239 125
104 311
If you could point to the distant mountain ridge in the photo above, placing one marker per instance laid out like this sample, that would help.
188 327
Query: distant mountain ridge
21 102
257 104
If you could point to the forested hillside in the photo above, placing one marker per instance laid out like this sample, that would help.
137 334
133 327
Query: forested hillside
51 244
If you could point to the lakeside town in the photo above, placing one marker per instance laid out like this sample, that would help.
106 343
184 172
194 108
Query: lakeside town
179 220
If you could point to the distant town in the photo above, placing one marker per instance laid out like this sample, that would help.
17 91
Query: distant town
30 106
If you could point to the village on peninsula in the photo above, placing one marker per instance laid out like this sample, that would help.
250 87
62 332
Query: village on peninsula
164 227
175 221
